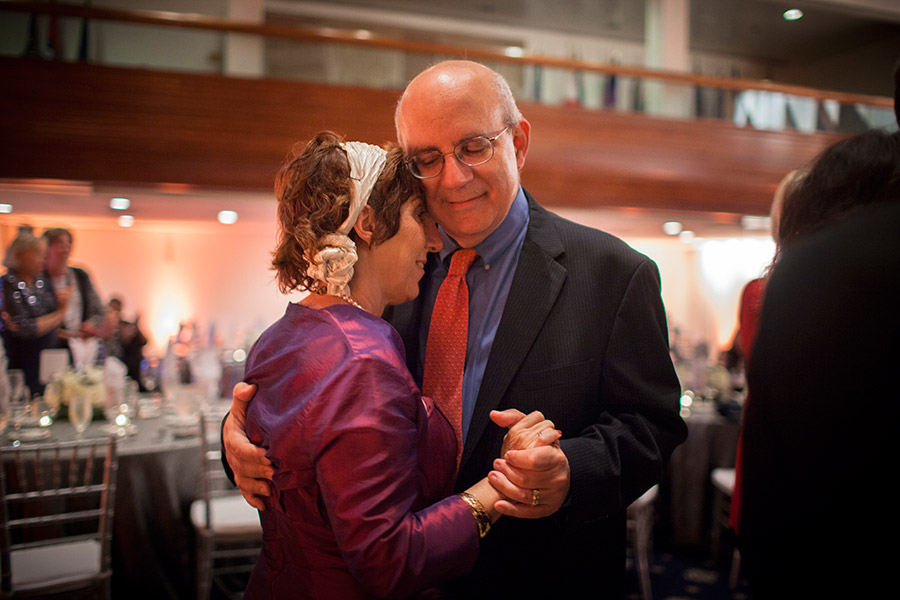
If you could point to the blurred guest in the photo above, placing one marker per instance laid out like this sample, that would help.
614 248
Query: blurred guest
748 319
85 313
126 341
819 435
32 310
863 169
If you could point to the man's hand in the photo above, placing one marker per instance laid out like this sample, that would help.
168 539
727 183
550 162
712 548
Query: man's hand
252 470
532 472
525 431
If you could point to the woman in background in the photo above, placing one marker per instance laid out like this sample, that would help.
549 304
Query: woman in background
32 309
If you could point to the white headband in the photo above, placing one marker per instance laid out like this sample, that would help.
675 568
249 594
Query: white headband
333 263
366 163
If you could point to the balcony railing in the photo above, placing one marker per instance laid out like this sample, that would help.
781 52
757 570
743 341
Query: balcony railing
194 42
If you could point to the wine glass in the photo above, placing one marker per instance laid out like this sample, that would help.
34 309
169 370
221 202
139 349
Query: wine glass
16 381
80 412
19 397
4 408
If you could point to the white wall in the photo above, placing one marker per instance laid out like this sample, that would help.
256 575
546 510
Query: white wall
211 274
218 275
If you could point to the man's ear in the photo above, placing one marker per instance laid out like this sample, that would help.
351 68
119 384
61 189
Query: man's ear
365 225
521 137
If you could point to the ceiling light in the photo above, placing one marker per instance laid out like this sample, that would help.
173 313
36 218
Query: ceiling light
126 221
792 14
686 236
514 51
5 208
119 203
227 217
672 228
754 223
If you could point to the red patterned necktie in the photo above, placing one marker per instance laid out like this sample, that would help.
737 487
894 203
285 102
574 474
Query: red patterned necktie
445 352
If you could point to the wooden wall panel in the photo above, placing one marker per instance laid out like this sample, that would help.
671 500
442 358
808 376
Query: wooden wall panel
114 125
85 122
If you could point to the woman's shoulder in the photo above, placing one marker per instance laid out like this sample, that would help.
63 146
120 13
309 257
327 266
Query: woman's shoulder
339 333
364 335
327 367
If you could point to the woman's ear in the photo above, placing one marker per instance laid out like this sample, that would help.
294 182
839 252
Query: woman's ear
365 225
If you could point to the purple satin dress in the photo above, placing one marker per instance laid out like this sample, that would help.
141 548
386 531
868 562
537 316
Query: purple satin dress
364 466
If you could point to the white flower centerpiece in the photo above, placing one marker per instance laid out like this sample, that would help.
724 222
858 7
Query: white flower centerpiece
66 384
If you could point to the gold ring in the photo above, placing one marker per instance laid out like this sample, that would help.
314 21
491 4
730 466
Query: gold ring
535 497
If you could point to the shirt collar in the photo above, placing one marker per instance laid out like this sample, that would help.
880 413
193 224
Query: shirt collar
501 239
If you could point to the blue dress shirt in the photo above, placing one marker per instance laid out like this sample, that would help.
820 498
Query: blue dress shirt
489 279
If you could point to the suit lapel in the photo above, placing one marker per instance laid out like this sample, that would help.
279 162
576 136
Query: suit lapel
535 286
406 318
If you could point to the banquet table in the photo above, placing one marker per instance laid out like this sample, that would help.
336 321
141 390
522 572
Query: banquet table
158 478
686 494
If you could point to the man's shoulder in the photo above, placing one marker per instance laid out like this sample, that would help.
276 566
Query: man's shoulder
581 240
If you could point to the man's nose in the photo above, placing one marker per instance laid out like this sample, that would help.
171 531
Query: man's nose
455 173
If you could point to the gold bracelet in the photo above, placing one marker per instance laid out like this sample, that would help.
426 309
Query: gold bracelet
481 517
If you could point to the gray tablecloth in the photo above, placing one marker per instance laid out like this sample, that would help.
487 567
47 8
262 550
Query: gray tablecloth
686 493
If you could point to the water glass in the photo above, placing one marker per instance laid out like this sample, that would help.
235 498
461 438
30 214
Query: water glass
4 410
80 412
19 398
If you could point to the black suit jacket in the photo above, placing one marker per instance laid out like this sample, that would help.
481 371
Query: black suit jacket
820 427
582 338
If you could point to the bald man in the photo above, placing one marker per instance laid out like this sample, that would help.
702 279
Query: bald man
563 319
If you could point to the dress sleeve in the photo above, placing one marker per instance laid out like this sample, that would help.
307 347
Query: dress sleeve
364 447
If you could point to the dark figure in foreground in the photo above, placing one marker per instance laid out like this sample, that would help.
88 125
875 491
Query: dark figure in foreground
820 435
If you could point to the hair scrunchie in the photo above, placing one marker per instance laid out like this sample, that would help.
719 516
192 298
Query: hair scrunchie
333 263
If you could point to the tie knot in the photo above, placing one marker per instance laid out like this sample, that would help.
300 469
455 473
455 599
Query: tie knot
460 262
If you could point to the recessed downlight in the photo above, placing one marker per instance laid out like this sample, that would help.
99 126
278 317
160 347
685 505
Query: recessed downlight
119 203
672 228
126 221
227 217
792 14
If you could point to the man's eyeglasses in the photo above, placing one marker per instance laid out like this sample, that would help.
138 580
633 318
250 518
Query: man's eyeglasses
471 152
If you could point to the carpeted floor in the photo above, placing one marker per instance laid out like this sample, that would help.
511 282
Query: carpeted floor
684 576
673 576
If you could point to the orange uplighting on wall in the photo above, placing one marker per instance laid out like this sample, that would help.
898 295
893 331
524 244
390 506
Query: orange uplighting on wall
169 309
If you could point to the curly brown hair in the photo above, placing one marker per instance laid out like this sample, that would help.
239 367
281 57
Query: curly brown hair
313 190
857 171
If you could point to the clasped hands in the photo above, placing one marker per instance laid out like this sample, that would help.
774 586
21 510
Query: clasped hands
531 473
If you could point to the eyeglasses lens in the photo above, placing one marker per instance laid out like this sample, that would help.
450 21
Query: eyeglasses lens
471 152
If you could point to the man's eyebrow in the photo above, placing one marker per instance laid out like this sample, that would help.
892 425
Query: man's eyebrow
420 149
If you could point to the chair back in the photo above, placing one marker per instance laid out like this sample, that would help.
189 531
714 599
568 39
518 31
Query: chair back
229 534
56 494
214 482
